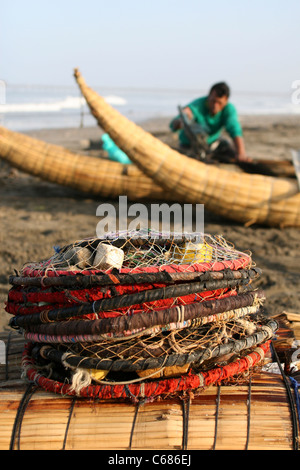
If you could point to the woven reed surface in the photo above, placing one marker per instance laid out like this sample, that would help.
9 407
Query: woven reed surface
10 366
88 174
159 425
247 198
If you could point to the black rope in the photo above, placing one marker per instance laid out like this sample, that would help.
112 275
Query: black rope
248 413
185 422
127 300
139 403
68 423
86 281
197 357
291 401
6 355
16 432
146 319
217 416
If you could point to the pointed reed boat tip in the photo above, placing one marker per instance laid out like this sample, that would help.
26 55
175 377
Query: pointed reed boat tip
58 165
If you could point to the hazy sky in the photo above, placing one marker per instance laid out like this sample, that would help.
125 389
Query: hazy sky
253 45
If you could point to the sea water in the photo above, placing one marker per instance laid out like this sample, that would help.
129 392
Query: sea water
24 108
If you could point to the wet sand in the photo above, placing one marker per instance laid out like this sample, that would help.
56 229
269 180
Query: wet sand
36 215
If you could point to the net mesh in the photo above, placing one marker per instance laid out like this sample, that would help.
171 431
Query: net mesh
163 343
137 251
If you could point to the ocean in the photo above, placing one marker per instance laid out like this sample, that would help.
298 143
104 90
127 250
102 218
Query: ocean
28 107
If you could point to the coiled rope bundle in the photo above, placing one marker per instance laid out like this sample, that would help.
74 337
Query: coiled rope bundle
139 314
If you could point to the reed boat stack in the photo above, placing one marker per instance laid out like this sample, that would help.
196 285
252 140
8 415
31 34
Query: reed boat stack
246 198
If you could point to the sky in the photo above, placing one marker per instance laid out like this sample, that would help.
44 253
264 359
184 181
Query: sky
253 45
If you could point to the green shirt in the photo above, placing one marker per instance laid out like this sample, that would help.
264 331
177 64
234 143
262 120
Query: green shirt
212 125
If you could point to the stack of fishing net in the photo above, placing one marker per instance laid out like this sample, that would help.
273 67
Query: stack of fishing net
140 315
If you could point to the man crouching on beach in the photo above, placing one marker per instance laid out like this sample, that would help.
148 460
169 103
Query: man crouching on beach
205 118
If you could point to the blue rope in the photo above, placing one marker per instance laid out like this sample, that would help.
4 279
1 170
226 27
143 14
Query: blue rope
295 387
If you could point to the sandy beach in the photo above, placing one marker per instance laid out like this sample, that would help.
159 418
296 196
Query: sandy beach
37 215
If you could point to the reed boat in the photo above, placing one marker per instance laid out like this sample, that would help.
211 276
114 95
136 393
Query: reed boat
242 197
91 175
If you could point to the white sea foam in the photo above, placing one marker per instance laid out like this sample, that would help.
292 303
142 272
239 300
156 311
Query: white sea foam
115 100
70 102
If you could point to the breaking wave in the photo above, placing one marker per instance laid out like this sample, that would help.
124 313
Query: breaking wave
68 103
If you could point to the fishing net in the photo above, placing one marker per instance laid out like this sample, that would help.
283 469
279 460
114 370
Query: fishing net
140 251
138 307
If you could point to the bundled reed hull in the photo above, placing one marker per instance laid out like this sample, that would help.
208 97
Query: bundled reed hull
53 422
246 198
91 175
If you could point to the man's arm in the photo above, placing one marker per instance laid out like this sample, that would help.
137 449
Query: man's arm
234 129
240 149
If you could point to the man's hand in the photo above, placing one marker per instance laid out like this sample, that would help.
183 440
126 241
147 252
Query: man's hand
243 158
178 124
240 150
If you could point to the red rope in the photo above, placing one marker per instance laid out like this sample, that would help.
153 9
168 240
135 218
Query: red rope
149 389
233 264
17 294
17 308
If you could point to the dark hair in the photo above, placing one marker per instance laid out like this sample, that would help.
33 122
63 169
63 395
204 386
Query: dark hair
221 89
